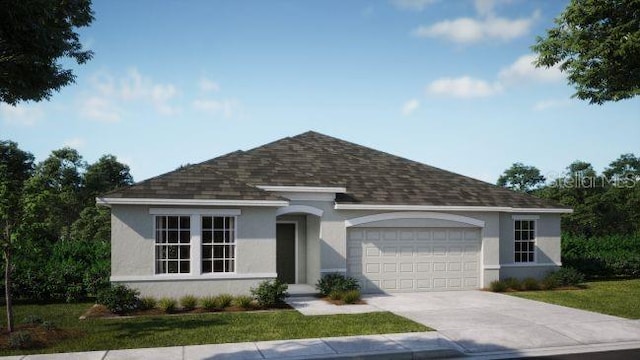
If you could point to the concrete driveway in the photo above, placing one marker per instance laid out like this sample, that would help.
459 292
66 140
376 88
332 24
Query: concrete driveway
480 321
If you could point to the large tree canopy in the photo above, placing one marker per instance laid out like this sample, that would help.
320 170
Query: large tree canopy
34 36
521 178
597 43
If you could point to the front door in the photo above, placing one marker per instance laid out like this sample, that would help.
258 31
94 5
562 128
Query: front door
286 252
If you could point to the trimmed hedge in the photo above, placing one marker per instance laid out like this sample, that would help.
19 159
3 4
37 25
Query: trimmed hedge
604 256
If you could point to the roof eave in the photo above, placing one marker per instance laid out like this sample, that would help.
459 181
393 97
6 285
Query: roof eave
452 208
188 202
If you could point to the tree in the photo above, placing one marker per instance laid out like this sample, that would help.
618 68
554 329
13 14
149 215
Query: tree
105 175
34 36
15 168
521 178
54 196
597 43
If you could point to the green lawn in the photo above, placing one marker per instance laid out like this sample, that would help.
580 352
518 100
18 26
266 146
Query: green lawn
618 298
101 334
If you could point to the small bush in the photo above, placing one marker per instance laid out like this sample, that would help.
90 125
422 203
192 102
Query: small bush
48 325
498 286
33 320
208 303
243 301
148 303
270 293
168 305
119 299
336 282
512 284
351 296
188 302
336 295
530 283
564 276
20 340
223 301
550 281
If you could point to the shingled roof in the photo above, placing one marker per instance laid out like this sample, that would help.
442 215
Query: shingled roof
312 159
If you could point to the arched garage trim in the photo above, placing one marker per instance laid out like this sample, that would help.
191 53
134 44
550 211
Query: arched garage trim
299 209
414 215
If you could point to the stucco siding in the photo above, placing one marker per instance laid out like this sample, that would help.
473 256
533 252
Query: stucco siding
133 249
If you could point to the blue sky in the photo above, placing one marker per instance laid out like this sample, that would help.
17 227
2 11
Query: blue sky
447 83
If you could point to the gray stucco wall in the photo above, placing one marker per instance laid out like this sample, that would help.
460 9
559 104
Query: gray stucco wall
322 247
133 263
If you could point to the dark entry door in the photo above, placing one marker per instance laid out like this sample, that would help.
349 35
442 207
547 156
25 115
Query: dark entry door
285 252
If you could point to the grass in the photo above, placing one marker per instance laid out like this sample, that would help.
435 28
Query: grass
194 329
616 297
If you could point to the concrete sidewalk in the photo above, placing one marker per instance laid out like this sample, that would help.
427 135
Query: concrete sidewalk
424 345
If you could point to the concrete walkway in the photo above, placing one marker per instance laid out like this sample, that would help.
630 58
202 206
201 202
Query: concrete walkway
480 321
392 346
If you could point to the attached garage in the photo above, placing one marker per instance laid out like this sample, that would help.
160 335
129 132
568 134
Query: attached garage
414 259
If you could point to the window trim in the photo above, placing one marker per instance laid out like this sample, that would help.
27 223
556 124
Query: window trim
535 219
155 246
195 259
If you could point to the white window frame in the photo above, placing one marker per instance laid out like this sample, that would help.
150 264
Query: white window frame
195 260
213 244
530 218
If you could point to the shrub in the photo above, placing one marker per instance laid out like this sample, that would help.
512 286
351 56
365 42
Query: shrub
48 325
168 305
530 284
565 276
550 281
20 340
336 282
188 302
512 283
33 320
498 286
243 301
223 301
148 303
603 256
336 295
270 293
119 299
208 303
351 296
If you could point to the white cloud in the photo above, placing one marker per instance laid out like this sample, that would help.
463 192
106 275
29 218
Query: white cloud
463 87
207 85
543 105
523 70
21 114
410 106
100 109
75 143
468 30
110 95
412 5
226 107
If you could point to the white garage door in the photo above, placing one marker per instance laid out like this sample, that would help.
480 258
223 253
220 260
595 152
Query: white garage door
420 259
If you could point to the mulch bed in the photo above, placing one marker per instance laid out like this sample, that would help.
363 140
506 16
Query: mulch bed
340 302
40 337
98 311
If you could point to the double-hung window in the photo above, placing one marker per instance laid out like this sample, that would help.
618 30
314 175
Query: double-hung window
173 244
218 244
525 241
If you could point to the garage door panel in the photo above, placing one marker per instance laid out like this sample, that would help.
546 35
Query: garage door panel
390 267
408 259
